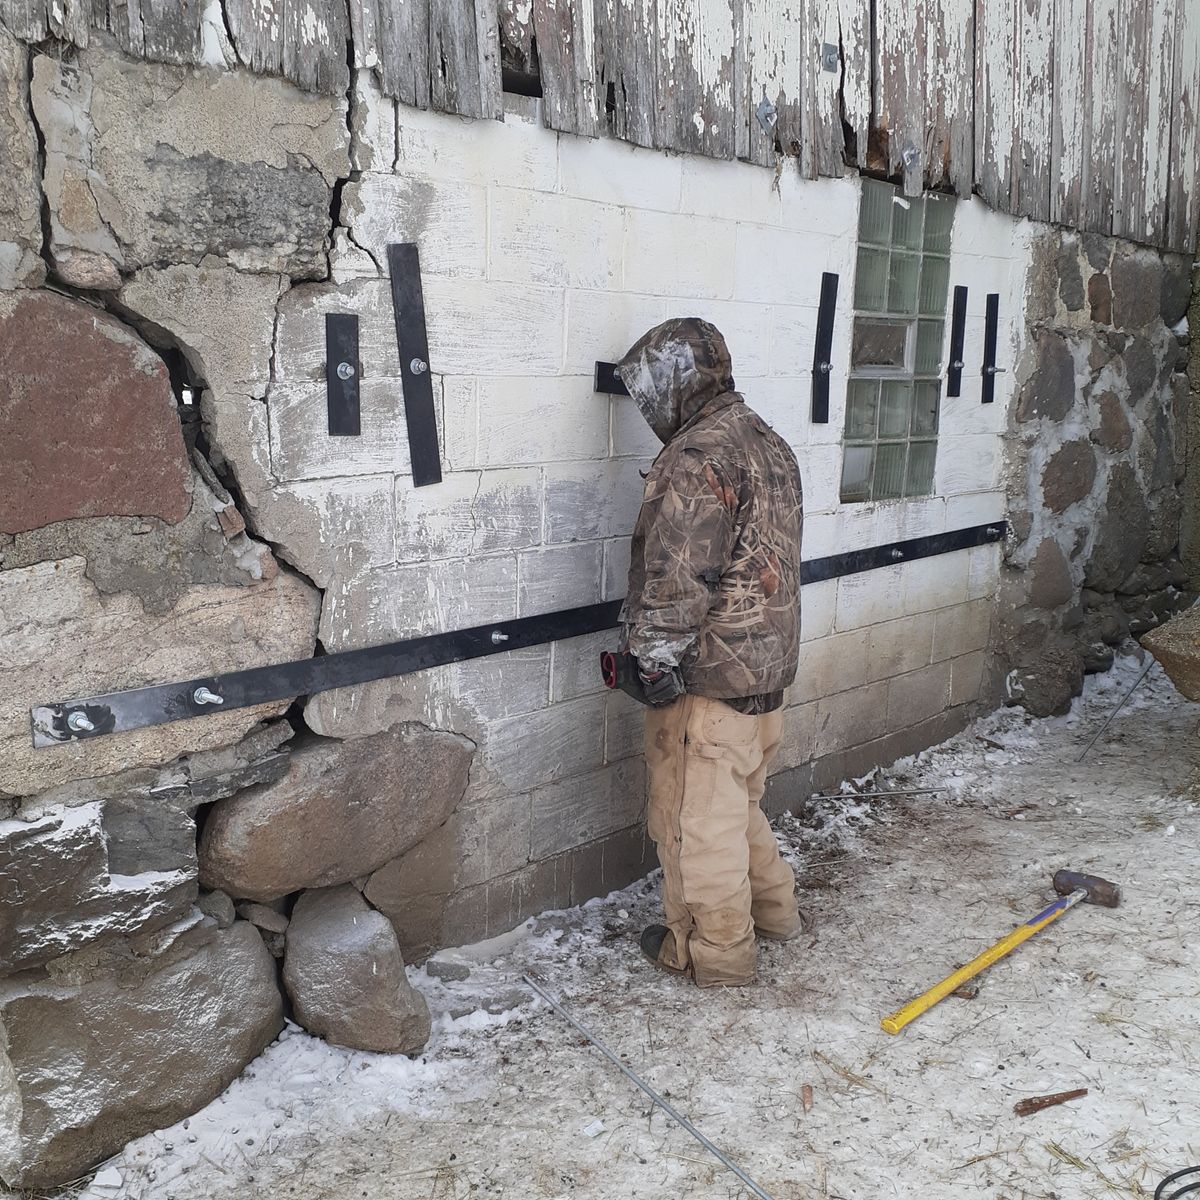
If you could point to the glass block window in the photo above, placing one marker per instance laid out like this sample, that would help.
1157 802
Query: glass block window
895 387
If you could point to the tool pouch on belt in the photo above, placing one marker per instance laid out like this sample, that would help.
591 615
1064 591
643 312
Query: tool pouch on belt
620 671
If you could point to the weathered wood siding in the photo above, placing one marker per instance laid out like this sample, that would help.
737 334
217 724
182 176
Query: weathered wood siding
1082 112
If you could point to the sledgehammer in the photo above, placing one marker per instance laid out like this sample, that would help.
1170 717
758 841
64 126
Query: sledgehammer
1071 886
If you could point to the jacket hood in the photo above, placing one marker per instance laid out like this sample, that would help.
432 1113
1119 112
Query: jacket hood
674 371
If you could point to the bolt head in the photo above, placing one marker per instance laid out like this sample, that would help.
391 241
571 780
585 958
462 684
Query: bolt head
345 370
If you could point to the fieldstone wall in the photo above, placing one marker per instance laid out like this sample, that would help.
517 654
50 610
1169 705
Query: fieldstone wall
1098 453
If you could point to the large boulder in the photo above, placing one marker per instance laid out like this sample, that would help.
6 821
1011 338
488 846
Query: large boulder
148 163
1050 389
20 186
342 810
89 1064
89 874
88 427
1122 527
64 639
1177 646
345 975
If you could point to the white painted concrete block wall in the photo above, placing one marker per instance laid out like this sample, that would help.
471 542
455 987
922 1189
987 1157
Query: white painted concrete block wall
540 254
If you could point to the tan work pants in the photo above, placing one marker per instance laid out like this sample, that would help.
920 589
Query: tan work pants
722 873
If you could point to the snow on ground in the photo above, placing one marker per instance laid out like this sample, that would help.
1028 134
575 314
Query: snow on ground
509 1101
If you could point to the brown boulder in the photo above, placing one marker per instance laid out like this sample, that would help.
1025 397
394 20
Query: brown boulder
1050 389
342 810
345 975
88 1065
87 419
1113 432
1177 646
1068 475
1051 584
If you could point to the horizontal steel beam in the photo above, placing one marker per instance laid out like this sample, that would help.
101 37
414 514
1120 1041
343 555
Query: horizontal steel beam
138 708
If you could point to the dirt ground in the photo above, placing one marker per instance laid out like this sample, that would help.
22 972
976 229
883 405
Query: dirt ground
510 1102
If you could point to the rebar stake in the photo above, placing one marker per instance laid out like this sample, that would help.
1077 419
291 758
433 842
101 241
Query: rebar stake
675 1116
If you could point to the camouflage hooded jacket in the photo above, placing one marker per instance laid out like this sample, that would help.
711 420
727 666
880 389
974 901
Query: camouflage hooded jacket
714 578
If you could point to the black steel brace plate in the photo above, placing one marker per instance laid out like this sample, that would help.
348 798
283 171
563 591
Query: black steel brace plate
138 708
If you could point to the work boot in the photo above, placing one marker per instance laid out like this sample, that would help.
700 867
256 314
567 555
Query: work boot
803 925
651 943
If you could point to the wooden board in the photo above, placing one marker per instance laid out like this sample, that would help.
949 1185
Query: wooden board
461 77
1032 109
950 95
1100 160
1071 123
901 27
695 76
1183 184
1133 63
824 143
995 72
768 38
627 69
302 40
1150 221
394 40
566 44
854 23
35 20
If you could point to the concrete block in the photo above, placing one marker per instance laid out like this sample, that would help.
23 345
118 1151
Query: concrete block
582 809
559 577
538 748
601 326
575 670
631 436
504 685
975 508
300 333
442 146
372 125
301 447
851 718
460 423
469 513
818 601
967 464
534 237
615 172
983 571
678 256
961 629
616 568
787 790
330 527
799 736
417 599
592 500
783 404
476 328
626 856
966 678
820 465
624 733
828 207
447 220
540 420
900 646
747 330
719 188
494 838
869 598
831 665
917 696
936 582
768 268
793 339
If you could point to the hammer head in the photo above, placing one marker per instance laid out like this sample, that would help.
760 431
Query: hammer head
1099 891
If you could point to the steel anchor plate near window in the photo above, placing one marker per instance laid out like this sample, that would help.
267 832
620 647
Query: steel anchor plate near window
894 392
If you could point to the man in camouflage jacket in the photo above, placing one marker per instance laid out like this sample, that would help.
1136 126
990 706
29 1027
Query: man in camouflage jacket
712 617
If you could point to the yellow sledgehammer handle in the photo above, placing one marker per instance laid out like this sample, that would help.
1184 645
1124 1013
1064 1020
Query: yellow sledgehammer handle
923 1003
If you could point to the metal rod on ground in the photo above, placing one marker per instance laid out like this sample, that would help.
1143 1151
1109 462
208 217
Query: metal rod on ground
1112 715
675 1115
861 795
